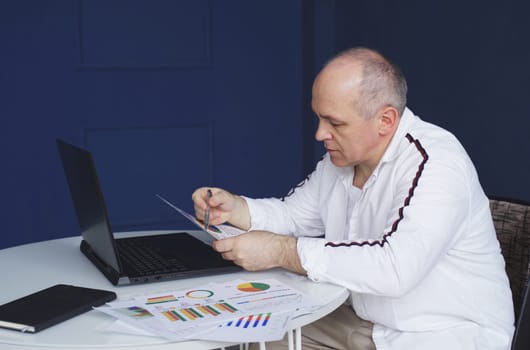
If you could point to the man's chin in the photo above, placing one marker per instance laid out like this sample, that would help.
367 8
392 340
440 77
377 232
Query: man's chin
338 161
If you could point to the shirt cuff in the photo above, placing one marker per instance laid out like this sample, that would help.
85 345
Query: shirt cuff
312 257
258 218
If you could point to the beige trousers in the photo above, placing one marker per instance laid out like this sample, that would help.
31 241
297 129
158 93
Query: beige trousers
341 329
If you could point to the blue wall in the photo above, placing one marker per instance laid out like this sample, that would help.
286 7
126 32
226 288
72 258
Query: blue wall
168 95
171 95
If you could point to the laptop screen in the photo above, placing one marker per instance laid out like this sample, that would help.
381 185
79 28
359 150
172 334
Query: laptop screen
80 172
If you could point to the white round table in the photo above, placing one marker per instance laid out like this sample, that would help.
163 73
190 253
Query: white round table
28 268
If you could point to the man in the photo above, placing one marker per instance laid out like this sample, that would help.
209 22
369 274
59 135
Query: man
407 227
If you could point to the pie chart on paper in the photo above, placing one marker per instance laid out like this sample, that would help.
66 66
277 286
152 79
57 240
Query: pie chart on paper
253 287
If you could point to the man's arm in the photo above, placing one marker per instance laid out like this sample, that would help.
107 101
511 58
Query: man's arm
261 250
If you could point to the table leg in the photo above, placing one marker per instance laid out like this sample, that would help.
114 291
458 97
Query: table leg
298 341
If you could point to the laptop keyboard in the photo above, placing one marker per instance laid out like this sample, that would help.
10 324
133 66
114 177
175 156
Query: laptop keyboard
145 260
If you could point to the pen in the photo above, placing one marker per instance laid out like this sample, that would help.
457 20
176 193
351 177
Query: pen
207 213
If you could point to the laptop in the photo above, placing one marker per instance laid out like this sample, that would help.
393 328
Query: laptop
132 260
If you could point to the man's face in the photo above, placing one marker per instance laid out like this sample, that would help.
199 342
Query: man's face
349 138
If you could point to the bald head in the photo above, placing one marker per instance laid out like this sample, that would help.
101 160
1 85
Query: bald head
374 81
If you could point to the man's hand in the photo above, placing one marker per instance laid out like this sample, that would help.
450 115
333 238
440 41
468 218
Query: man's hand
224 207
261 250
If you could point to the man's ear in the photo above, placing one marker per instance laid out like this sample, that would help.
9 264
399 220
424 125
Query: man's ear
388 120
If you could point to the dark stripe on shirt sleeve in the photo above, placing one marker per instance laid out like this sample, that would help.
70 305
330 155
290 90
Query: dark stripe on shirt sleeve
406 202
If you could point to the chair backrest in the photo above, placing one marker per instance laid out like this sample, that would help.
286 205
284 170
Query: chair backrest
521 338
512 224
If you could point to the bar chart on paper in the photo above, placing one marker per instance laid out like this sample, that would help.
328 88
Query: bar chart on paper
160 299
253 321
261 326
196 312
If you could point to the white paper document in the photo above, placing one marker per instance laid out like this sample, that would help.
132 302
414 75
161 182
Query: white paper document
217 232
238 311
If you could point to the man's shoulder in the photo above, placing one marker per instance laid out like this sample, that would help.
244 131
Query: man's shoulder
433 139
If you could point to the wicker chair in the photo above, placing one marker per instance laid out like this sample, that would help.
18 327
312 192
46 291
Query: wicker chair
512 224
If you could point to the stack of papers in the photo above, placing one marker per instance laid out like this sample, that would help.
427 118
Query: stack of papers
235 311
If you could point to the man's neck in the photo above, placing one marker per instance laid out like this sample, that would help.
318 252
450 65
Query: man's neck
363 171
361 175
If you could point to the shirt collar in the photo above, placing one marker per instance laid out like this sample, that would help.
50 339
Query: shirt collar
346 174
392 151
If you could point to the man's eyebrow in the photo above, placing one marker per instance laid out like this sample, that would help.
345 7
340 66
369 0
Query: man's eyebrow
326 117
321 116
329 118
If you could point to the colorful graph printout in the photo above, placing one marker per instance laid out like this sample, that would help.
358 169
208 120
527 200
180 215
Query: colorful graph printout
199 294
234 311
253 287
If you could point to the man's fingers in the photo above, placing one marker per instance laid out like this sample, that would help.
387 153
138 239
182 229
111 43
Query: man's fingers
228 256
218 197
223 245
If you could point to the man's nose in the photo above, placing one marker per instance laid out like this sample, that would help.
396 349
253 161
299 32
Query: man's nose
321 134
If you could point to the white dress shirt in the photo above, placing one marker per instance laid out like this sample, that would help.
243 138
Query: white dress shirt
416 246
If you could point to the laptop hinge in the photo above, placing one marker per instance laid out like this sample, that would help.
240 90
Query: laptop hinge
105 268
